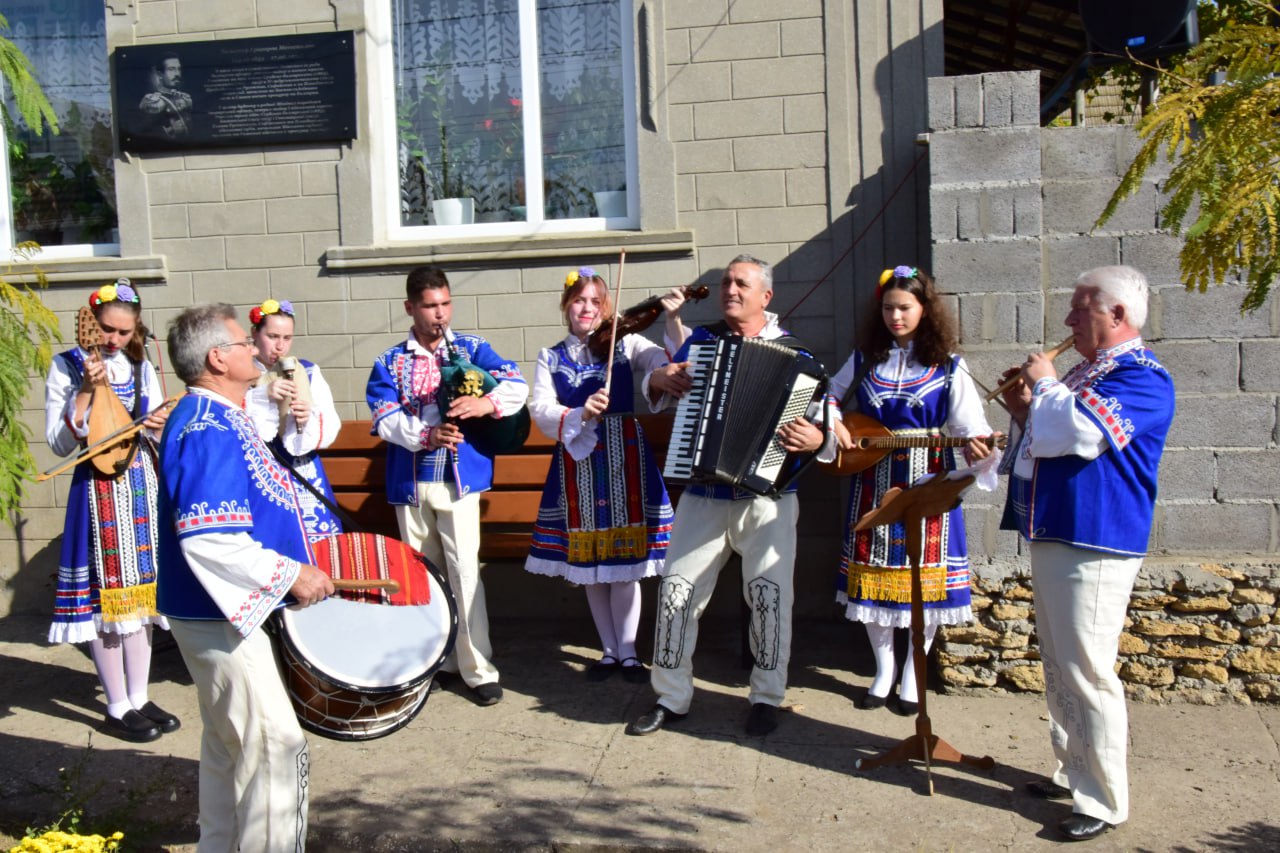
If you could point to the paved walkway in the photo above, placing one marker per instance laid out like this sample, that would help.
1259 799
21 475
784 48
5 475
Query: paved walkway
550 768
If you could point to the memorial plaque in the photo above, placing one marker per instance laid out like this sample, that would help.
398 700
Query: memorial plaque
294 89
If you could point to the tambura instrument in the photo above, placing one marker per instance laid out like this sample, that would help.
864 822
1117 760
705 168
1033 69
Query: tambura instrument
358 671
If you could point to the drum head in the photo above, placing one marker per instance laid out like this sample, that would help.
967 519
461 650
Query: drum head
373 647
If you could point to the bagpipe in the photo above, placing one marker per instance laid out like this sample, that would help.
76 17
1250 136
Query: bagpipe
490 436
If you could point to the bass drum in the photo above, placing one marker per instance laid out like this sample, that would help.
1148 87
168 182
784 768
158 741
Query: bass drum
358 671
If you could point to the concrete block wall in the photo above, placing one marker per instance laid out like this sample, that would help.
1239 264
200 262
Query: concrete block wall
1013 208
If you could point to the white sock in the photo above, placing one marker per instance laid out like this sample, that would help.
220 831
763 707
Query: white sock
881 637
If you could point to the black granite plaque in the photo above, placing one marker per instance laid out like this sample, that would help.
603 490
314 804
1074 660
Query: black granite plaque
294 89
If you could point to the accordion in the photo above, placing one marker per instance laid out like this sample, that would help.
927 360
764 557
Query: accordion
725 428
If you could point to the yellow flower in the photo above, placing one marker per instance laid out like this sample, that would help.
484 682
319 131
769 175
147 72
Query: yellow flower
107 292
571 279
271 306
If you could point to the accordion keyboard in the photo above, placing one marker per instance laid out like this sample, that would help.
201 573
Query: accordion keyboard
684 428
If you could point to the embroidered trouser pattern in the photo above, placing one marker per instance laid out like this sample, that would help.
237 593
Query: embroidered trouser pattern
1081 598
705 534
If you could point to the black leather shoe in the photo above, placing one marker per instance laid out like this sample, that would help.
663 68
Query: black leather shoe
441 680
133 726
1081 827
489 693
869 701
1047 789
162 718
762 719
603 668
657 718
633 671
903 708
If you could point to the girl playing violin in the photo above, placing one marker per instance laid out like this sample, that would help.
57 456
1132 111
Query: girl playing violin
908 378
296 424
106 593
605 517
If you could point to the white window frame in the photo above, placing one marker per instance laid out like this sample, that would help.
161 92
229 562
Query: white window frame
8 244
384 150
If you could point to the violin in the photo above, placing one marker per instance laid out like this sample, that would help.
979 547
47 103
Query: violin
635 319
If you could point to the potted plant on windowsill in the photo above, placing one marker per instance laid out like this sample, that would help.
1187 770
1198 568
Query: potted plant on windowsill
453 204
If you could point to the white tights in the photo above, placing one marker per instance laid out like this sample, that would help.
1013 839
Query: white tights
123 663
881 637
615 607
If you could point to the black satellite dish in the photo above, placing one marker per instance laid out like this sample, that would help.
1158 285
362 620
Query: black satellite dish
1144 28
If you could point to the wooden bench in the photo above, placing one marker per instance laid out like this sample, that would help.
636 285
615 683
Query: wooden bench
356 465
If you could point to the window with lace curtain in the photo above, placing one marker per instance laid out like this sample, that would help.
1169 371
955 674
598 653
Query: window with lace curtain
61 187
514 116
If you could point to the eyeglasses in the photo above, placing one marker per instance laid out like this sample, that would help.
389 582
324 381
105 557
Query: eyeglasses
247 342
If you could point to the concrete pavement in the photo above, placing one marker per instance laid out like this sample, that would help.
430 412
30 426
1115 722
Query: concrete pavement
550 767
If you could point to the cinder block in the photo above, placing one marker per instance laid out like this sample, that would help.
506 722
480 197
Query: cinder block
1066 257
806 186
1081 152
1199 421
944 222
294 283
212 17
692 84
805 114
295 12
1028 211
790 75
968 94
366 348
1188 475
347 318
319 179
274 250
997 100
942 103
1248 475
979 267
306 214
1207 367
317 154
711 155
1216 527
316 243
997 211
738 42
708 14
1260 366
677 43
1026 98
221 219
733 119
206 253
793 224
981 156
686 193
1073 207
503 312
157 19
740 190
969 215
240 288
680 122
184 187
1156 255
712 227
169 220
793 151
970 313
771 10
1030 325
802 36
373 286
1215 313
806 264
280 181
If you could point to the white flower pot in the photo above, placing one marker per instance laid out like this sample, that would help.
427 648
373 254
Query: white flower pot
611 204
454 211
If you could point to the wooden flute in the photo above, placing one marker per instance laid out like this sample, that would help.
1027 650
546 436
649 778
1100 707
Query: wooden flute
1017 377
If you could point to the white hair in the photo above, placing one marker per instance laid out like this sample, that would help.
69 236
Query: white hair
1120 285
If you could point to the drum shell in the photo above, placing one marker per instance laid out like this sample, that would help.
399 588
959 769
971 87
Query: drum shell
347 709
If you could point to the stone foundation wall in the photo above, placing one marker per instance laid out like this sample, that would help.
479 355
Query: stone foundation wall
1200 632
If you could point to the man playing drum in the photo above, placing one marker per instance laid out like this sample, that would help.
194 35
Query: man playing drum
233 548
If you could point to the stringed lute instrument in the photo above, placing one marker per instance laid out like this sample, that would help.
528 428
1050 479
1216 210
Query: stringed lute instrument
872 441
107 415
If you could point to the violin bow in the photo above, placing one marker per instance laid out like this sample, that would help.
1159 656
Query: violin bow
617 300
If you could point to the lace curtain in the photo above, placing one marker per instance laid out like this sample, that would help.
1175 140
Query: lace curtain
460 104
63 187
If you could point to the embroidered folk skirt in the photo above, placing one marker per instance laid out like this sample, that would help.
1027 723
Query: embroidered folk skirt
606 518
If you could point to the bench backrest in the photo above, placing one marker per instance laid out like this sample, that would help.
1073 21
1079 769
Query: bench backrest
356 465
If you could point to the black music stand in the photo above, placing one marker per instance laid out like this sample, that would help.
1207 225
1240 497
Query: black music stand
912 506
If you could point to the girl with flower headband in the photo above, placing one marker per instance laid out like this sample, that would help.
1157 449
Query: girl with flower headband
605 517
905 375
106 591
293 409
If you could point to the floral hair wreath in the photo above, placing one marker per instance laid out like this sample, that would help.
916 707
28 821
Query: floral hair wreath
258 313
576 275
896 272
121 290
